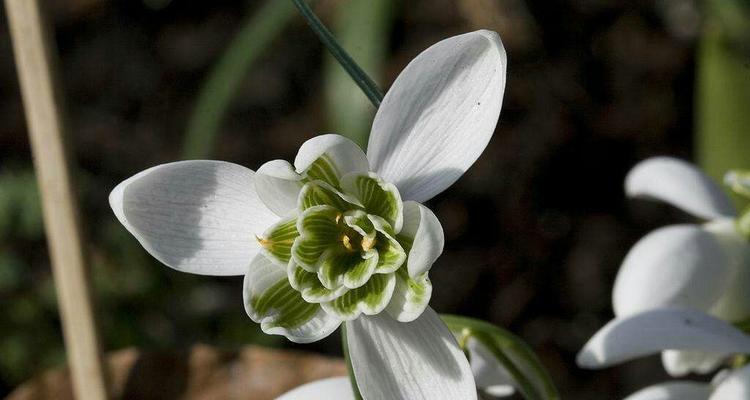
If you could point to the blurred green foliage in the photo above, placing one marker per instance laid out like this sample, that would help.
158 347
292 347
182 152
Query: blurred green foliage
723 89
362 27
226 76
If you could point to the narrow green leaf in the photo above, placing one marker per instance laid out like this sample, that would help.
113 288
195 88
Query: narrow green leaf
215 97
362 27
531 378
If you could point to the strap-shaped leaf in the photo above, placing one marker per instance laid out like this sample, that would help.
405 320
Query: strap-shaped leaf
522 365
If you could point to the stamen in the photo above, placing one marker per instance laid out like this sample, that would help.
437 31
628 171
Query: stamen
338 217
265 243
347 242
368 243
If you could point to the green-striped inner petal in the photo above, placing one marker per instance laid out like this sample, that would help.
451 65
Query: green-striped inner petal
370 299
319 230
290 310
310 287
277 240
377 197
392 255
344 268
317 193
410 296
325 170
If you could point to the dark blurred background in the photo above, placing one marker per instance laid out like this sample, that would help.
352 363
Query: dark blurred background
535 231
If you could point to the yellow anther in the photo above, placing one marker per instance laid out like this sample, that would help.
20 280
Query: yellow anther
338 217
368 243
265 243
347 242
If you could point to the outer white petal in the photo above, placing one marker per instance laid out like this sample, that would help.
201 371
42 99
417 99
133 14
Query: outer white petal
677 390
408 360
679 363
679 265
734 304
678 183
337 388
278 185
736 386
344 153
261 275
489 375
623 339
421 225
194 216
439 114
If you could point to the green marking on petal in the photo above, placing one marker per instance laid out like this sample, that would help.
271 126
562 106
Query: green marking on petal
319 230
369 299
392 255
317 193
277 241
286 305
377 197
308 284
325 170
360 223
410 296
350 269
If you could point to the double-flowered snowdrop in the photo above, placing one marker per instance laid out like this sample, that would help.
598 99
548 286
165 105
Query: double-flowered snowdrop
681 287
340 235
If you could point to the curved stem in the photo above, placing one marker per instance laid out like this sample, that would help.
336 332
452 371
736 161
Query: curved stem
368 86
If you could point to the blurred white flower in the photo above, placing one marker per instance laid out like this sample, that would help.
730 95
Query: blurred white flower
341 236
679 284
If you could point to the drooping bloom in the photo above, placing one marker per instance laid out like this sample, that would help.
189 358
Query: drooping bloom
680 287
341 235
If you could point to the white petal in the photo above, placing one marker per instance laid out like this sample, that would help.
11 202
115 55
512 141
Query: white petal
421 225
194 216
489 375
439 114
676 390
652 331
680 265
344 153
734 304
263 274
408 360
338 388
680 184
679 363
736 386
278 185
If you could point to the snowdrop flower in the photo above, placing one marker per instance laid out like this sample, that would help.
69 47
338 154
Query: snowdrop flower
727 385
341 235
674 277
